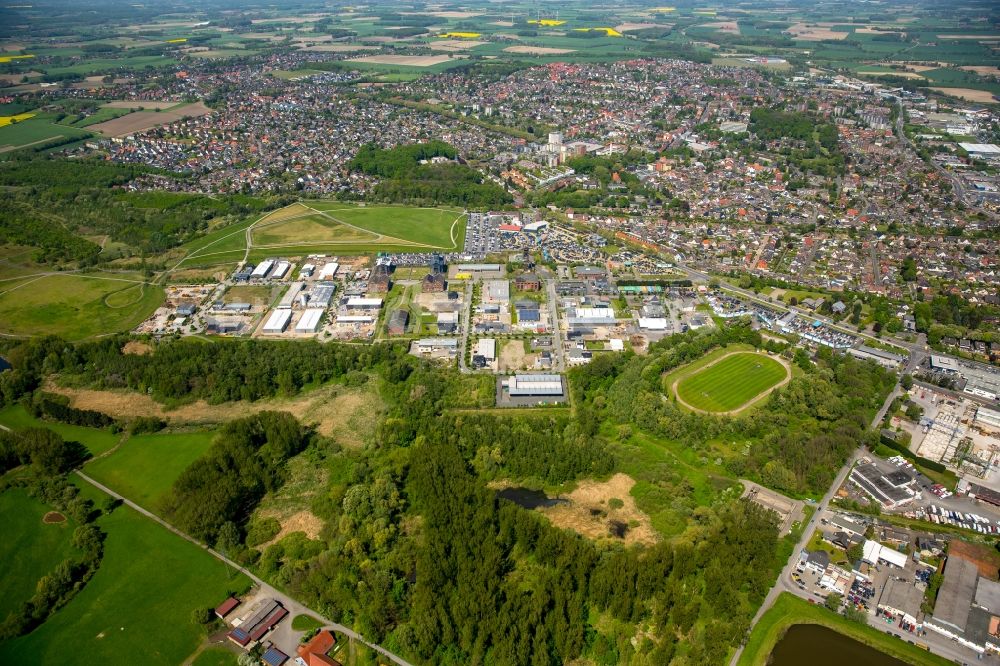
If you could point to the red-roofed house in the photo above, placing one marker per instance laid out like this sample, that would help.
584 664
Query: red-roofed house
314 652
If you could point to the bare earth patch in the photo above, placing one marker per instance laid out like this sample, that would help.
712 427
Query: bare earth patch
139 121
537 50
968 94
53 517
588 512
984 70
813 33
902 75
136 347
730 27
303 521
138 104
347 414
410 61
338 48
455 45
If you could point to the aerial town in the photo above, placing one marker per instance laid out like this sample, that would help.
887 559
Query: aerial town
447 334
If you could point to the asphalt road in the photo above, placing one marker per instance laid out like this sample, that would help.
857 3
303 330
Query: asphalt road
781 584
294 607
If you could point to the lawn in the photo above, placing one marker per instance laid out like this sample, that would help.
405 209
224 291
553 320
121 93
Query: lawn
138 604
789 610
730 382
32 548
97 441
309 228
426 226
145 466
215 656
76 307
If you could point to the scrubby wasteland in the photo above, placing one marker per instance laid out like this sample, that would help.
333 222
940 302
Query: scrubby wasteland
499 333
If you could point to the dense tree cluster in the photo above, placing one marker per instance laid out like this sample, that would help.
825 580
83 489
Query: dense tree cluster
186 369
56 407
51 204
407 180
245 461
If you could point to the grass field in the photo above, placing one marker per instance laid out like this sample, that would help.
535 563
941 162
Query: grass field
215 656
332 224
789 610
730 382
138 603
145 466
30 548
36 130
97 441
75 307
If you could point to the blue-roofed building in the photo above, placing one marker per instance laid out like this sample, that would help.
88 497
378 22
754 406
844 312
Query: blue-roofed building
274 657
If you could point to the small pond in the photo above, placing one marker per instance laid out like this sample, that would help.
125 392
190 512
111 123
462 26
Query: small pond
529 499
818 646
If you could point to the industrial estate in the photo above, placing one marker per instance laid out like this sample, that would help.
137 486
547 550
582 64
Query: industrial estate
499 333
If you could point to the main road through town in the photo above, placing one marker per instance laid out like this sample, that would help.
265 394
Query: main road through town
807 529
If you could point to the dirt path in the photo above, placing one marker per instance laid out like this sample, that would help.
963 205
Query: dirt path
750 403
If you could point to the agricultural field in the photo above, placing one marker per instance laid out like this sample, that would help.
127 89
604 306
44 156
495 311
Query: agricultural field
35 130
149 582
730 383
144 467
330 225
30 548
75 306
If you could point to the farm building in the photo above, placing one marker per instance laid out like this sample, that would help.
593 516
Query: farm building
226 607
266 616
314 653
532 385
310 321
278 321
274 657
398 321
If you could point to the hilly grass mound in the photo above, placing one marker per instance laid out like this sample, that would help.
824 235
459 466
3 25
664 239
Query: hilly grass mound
75 307
329 224
731 382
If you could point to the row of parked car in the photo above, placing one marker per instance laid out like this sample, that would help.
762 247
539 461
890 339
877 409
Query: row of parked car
972 521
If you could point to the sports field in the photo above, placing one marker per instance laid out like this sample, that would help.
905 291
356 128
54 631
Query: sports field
75 306
730 382
30 548
138 603
329 225
145 467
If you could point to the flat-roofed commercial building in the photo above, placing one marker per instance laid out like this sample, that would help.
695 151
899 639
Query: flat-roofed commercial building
309 322
532 385
278 321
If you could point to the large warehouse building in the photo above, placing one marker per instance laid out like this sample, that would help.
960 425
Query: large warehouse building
535 385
